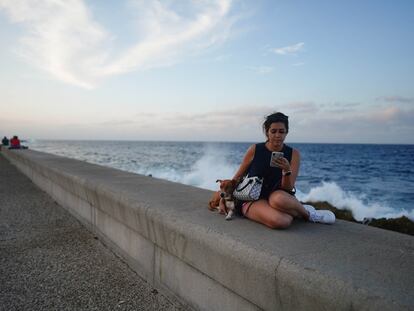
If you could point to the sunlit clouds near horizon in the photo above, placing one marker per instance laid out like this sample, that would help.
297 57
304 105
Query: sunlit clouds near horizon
354 123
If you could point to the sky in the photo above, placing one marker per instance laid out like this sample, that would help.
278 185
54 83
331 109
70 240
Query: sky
207 70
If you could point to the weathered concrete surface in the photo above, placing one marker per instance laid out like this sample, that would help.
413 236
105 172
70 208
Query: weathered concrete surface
49 261
166 233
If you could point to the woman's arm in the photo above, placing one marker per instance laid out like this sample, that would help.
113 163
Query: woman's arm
288 180
248 158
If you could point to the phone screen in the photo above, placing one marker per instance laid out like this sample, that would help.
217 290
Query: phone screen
275 155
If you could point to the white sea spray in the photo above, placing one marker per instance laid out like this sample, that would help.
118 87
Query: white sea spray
332 193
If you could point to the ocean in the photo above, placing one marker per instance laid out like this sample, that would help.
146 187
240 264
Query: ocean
371 180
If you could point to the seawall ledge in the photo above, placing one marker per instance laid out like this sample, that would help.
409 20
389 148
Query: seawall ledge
166 233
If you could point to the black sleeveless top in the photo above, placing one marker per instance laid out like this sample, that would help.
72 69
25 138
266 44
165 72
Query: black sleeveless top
260 166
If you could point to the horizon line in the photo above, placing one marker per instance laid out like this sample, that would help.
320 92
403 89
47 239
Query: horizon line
204 141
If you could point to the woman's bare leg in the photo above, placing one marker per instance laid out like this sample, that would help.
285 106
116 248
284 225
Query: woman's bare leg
286 203
260 211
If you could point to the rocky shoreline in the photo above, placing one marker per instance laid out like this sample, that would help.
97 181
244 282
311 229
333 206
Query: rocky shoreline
401 224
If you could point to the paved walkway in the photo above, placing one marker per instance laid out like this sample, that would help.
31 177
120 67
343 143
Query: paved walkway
49 261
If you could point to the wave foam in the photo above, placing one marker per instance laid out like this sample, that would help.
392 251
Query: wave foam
210 167
333 194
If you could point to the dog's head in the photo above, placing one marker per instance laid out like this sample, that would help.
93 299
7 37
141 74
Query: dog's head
227 187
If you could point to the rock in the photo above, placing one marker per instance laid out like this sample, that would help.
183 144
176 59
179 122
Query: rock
401 224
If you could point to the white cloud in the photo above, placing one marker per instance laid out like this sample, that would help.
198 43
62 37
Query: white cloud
309 122
360 124
289 50
301 107
261 70
62 38
168 34
221 58
397 99
386 114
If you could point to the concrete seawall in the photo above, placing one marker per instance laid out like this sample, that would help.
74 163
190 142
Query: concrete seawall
165 232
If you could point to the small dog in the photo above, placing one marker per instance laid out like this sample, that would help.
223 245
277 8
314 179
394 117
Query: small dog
223 200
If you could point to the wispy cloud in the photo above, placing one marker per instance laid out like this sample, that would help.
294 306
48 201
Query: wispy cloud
221 58
364 124
340 107
305 107
222 125
262 69
396 99
310 121
289 50
62 37
387 114
169 34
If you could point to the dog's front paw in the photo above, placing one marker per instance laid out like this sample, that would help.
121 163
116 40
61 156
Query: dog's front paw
229 215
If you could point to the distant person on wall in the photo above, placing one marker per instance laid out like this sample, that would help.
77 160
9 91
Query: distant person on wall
277 205
5 141
15 143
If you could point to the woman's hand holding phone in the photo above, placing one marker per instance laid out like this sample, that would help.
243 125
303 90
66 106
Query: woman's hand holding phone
278 160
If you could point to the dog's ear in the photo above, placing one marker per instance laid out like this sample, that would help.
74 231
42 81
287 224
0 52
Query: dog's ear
219 180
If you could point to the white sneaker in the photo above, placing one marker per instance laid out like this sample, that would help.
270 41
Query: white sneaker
309 208
322 216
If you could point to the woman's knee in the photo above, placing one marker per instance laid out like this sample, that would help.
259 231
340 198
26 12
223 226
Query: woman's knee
278 199
279 222
276 196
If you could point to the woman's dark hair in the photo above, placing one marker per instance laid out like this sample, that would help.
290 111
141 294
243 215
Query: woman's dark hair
275 118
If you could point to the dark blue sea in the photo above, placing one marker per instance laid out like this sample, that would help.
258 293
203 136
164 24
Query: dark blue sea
371 180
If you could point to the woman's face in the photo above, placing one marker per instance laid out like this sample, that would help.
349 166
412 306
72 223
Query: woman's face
276 134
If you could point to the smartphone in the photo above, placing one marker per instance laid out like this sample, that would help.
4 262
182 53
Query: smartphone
275 155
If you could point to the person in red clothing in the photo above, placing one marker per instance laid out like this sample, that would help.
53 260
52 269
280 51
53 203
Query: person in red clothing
15 143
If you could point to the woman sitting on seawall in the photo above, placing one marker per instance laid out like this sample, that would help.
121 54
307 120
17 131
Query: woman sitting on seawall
277 205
